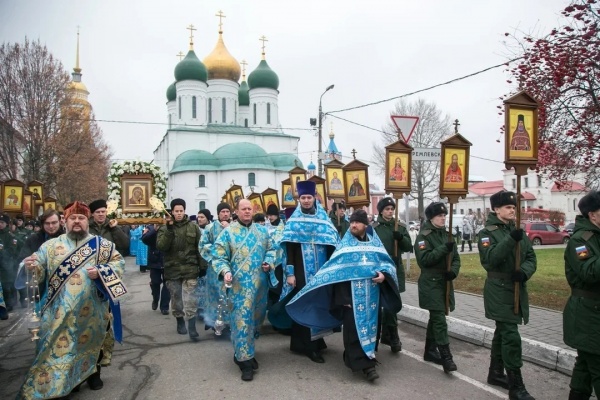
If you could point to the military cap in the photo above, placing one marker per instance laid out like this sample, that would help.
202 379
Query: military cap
383 203
503 198
435 208
589 203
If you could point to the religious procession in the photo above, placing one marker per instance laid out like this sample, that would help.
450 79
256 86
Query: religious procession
239 248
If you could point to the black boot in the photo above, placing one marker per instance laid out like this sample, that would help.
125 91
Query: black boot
247 369
385 336
3 313
516 387
94 381
496 374
446 357
370 374
192 329
395 342
181 326
431 353
574 395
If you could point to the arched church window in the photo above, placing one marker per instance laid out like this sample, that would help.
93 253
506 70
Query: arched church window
268 113
251 179
574 204
179 107
202 205
245 122
193 106
210 111
254 110
201 181
224 110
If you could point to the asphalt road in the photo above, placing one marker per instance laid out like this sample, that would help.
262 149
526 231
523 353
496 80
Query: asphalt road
155 362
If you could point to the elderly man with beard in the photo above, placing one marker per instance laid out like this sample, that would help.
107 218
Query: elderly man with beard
348 289
244 253
76 268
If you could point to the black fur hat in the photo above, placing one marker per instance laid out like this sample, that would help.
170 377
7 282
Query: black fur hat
589 203
503 198
435 208
383 203
97 204
177 202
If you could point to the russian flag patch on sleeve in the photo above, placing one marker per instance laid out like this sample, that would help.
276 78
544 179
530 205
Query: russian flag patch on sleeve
485 242
421 245
582 252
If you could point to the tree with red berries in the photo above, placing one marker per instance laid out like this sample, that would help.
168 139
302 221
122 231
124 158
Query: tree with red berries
562 72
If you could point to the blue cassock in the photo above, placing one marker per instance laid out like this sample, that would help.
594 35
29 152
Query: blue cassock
357 262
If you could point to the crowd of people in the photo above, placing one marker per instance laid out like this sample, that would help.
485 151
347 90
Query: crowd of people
312 274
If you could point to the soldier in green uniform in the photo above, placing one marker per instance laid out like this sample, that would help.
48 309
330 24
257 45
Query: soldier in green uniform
581 322
398 238
338 218
432 248
497 243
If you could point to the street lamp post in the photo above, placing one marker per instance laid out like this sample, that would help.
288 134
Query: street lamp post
320 154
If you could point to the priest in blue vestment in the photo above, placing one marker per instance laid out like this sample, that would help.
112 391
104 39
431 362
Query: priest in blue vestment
309 238
349 289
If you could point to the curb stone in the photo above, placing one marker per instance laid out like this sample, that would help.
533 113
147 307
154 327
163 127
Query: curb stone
552 357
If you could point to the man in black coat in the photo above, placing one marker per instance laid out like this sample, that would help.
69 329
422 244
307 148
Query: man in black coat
157 271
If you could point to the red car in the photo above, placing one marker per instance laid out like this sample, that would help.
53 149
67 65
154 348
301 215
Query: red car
544 233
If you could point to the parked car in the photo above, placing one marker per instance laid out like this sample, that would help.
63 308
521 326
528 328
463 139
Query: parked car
544 233
569 228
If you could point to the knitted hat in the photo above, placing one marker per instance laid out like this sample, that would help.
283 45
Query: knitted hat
272 210
223 206
589 203
177 202
20 216
96 204
78 207
206 213
503 198
360 216
435 208
336 206
383 203
306 187
5 218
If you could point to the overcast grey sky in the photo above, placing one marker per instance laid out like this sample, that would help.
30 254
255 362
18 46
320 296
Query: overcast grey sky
371 50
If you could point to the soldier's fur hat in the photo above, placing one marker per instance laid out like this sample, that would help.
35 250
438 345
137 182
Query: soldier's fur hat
383 203
503 198
177 202
336 206
435 208
97 204
589 203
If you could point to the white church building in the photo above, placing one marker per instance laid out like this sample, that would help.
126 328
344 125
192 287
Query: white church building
223 131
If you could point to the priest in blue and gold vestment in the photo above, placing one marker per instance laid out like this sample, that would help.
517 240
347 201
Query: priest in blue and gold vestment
244 254
82 273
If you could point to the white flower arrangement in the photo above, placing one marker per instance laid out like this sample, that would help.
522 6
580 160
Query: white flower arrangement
135 168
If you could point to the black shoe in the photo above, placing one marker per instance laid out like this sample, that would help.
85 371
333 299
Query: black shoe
315 357
254 364
516 387
575 395
496 374
154 305
247 373
371 374
192 329
164 312
446 355
3 313
94 381
247 368
431 353
395 342
181 326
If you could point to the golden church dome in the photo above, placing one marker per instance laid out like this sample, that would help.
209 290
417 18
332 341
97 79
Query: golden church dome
221 64
79 86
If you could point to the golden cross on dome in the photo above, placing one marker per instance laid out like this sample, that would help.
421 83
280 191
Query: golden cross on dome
221 16
263 39
191 29
456 124
243 64
353 153
180 55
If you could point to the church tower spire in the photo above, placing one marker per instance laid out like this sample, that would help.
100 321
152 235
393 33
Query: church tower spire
76 85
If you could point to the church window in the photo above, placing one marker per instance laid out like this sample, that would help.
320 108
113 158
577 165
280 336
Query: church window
251 179
254 113
224 110
539 181
193 106
574 204
179 107
202 205
268 113
210 111
170 115
514 183
526 180
201 181
245 122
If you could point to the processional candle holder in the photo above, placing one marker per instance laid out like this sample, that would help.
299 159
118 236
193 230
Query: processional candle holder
33 299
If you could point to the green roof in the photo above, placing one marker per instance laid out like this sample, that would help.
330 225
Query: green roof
191 68
243 96
193 160
243 155
228 129
171 92
285 160
263 77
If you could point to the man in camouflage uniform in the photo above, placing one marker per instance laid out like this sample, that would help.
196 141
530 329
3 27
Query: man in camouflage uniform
497 243
581 325
432 249
398 238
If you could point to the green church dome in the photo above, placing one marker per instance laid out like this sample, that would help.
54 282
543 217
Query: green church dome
263 77
242 155
171 92
285 161
243 96
190 68
195 160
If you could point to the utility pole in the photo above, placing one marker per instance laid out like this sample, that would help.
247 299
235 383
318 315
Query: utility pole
320 154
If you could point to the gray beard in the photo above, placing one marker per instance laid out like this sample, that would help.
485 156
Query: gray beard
77 235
